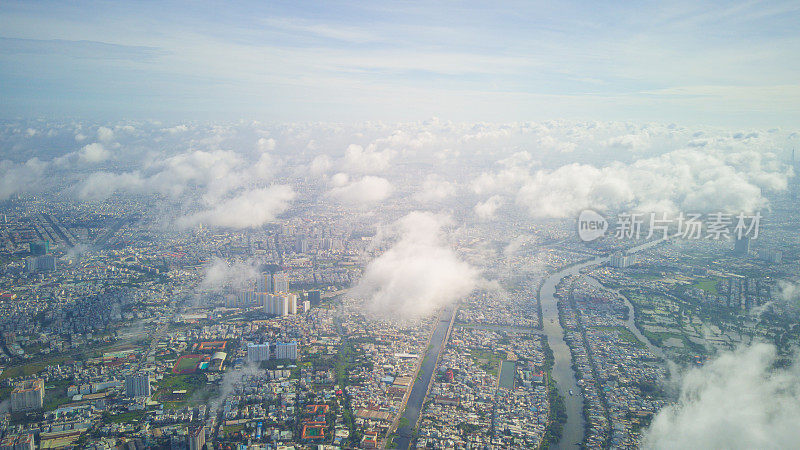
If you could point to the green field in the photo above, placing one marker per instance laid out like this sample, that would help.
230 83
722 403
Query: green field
32 367
197 391
125 417
624 333
487 360
708 285
187 364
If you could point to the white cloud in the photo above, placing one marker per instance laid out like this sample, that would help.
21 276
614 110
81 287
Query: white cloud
434 189
486 210
210 175
23 177
264 168
356 159
101 185
266 144
250 209
177 129
94 153
737 401
105 134
690 180
219 275
554 144
789 293
340 179
628 142
320 164
366 191
419 273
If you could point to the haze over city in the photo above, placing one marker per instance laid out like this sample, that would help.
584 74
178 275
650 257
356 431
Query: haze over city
435 225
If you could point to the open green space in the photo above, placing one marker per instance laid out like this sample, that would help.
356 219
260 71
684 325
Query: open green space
197 391
487 360
707 284
624 334
126 417
31 368
187 364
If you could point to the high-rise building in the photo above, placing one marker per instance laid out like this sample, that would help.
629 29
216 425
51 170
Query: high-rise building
197 437
257 352
264 282
314 297
241 299
137 385
39 248
286 350
268 302
280 304
28 395
770 255
742 246
45 263
280 282
621 260
17 442
302 245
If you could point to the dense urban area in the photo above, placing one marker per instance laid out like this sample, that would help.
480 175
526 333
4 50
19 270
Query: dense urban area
121 330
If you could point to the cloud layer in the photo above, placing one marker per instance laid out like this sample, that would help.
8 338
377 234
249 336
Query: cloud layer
737 401
362 192
246 210
418 274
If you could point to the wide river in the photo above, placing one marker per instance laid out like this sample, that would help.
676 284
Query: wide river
563 374
562 367
572 435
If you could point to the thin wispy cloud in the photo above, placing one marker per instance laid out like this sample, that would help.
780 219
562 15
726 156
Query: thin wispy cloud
469 61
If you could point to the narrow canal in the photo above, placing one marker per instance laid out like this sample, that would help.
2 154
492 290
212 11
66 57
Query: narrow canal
420 388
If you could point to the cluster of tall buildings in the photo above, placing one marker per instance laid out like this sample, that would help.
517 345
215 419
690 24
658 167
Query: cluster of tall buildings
771 255
745 292
28 395
262 352
39 248
622 260
270 292
40 259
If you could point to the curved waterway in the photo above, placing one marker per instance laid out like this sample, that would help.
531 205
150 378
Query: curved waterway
572 435
630 323
562 373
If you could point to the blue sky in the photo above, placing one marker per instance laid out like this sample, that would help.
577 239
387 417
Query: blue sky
712 63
